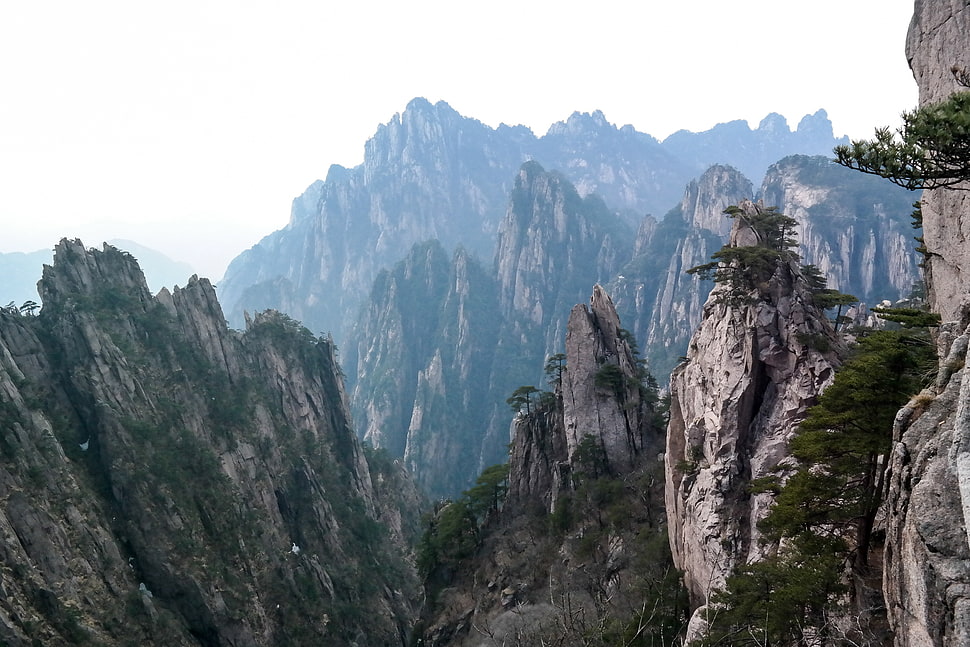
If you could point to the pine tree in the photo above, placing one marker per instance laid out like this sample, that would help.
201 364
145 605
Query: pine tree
929 151
823 515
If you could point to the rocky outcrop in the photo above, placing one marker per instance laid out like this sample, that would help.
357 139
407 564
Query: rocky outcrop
935 45
433 374
551 245
752 150
653 292
539 467
578 542
752 369
433 335
602 389
169 481
927 564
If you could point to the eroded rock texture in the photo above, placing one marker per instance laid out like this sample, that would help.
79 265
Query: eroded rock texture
751 371
166 480
600 389
927 574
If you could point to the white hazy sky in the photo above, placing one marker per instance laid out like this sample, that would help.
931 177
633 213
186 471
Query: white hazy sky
190 126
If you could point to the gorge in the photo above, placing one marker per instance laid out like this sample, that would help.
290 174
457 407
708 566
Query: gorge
187 469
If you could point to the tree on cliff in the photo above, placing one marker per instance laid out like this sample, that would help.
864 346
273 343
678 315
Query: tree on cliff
745 267
522 398
824 514
929 151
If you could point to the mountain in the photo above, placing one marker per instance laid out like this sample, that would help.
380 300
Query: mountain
169 481
160 270
572 550
753 151
22 271
434 368
752 369
430 173
441 345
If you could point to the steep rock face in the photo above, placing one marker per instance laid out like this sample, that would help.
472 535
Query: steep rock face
751 371
601 392
426 350
936 43
538 459
395 344
855 228
169 481
431 173
557 563
927 581
438 358
752 151
664 304
630 170
551 244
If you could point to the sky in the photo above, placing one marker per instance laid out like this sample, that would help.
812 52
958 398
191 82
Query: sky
190 127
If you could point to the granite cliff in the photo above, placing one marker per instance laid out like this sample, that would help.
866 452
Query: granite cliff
752 369
927 575
169 481
576 552
430 173
473 335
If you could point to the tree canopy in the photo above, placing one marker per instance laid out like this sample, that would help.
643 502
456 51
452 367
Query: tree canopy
744 267
929 151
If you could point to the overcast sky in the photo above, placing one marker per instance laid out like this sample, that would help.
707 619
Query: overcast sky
190 126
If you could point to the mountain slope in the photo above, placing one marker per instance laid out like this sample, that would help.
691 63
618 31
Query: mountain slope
169 481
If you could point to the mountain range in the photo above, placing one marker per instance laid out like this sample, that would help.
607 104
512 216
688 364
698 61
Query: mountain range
444 266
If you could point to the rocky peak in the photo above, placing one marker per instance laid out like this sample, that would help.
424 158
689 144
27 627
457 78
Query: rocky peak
78 273
752 369
816 126
855 228
707 197
585 123
645 233
177 482
774 125
601 386
550 243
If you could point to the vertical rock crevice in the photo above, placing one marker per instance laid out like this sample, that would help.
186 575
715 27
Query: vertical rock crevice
752 369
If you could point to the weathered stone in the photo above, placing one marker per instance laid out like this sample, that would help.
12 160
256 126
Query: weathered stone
752 370
927 557
612 413
146 447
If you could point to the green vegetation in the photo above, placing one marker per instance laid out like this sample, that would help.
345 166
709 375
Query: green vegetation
555 365
825 297
748 267
930 150
454 530
824 512
523 398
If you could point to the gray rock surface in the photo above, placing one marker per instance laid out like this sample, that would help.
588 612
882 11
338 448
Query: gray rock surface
927 563
168 481
751 371
614 415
